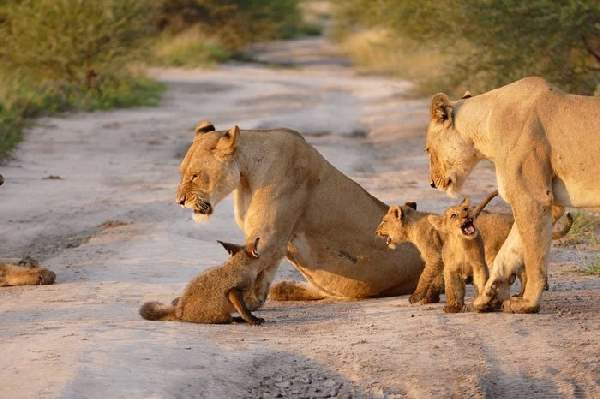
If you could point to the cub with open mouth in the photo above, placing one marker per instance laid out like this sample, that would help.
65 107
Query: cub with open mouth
463 252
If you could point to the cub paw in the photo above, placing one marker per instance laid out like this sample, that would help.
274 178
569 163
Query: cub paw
520 305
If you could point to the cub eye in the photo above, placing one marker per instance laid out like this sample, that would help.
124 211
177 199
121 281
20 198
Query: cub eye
453 216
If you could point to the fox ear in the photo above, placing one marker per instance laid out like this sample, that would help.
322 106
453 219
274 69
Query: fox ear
412 205
436 221
231 249
252 250
441 109
204 126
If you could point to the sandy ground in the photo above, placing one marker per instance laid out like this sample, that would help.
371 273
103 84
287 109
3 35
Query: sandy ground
110 229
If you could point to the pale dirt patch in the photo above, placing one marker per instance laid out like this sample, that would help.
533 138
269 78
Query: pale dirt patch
112 232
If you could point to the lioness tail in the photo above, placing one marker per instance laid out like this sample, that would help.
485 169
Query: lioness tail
157 311
566 228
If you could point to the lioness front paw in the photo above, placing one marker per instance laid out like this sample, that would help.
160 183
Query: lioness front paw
520 305
256 321
46 277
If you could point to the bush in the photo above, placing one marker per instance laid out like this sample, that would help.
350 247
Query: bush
58 55
488 43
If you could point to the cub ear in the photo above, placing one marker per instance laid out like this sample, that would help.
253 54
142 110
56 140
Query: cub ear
204 126
231 249
411 204
466 95
441 109
227 143
465 202
252 250
395 212
436 221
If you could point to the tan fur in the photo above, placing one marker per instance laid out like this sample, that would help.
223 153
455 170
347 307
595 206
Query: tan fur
544 145
463 254
405 223
24 272
302 207
208 297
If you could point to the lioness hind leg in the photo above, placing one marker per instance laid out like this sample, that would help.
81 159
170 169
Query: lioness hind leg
11 275
237 300
293 291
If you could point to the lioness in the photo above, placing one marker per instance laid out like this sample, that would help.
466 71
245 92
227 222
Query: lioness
216 293
302 207
24 272
544 145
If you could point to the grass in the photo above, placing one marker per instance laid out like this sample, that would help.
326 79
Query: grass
190 48
376 51
21 100
585 228
594 267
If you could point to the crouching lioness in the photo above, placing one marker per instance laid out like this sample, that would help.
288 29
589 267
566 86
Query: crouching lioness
301 207
544 145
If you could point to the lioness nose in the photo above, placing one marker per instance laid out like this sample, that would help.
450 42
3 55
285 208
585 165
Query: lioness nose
433 184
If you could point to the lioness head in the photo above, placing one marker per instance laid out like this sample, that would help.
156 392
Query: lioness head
456 220
393 226
451 155
209 171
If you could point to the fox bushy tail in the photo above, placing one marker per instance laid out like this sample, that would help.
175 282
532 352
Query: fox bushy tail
157 311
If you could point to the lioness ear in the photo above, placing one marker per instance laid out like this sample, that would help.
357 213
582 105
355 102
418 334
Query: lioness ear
441 109
231 249
411 204
204 126
436 221
226 144
252 250
466 95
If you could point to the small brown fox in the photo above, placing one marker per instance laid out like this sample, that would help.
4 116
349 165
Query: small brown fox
216 293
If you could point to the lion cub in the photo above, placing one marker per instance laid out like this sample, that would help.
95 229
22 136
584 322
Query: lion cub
216 293
463 253
405 223
25 272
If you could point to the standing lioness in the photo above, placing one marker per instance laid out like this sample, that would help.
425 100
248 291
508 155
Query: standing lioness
301 207
544 145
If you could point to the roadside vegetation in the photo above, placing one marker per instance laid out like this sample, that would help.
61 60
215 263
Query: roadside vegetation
474 45
64 55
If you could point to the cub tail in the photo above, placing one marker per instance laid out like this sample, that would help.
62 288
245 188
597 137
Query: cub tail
157 311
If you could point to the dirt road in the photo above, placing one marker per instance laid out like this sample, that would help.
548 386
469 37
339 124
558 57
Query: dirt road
92 197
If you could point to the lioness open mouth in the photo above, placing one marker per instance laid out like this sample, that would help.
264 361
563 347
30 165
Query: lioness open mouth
203 208
468 228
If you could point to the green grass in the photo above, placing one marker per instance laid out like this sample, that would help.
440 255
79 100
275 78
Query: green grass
594 267
584 230
20 100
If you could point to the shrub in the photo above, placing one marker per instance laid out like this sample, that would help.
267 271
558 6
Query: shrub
489 43
57 55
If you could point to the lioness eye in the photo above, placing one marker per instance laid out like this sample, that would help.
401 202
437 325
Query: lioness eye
453 216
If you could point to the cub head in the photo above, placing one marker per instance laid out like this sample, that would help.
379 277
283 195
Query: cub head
451 156
394 225
209 171
456 220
